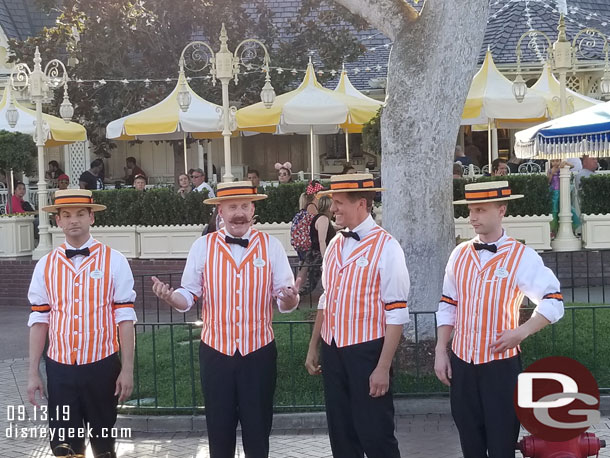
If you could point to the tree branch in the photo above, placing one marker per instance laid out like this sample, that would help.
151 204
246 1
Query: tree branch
387 16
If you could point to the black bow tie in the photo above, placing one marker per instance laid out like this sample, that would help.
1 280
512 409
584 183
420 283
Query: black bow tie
72 253
237 241
486 246
351 234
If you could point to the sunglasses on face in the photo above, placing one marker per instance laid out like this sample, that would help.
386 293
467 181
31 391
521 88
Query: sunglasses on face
283 174
196 176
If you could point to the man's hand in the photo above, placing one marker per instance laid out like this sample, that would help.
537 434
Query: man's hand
162 290
442 366
34 385
312 362
290 294
124 384
507 340
379 382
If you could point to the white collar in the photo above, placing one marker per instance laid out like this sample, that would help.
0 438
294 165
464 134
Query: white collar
497 243
246 236
87 244
365 227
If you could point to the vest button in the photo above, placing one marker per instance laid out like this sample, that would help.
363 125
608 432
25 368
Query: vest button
76 300
76 284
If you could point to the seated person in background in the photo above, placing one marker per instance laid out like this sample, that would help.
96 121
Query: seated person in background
54 171
184 185
284 172
132 170
199 183
63 181
589 166
254 177
499 168
19 205
139 183
348 168
460 156
93 178
458 171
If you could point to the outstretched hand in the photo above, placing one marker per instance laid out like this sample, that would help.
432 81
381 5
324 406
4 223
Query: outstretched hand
162 290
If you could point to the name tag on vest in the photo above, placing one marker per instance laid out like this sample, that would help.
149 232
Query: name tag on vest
258 262
97 274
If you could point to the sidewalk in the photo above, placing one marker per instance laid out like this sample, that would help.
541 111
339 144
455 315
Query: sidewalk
419 435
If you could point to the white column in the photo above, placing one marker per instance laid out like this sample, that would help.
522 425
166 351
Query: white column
226 132
200 158
565 239
210 168
44 237
494 143
67 162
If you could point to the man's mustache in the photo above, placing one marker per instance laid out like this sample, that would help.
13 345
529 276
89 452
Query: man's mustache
239 220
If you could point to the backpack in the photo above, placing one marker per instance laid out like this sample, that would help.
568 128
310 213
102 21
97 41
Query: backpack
299 231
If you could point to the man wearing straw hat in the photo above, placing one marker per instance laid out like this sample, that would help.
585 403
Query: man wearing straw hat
237 271
80 293
360 320
485 282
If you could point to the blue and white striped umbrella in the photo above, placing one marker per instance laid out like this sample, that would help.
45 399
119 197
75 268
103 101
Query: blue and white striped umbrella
584 132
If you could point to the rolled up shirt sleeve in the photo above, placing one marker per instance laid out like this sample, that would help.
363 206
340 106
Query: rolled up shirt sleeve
191 285
447 306
395 283
124 294
37 295
540 285
281 272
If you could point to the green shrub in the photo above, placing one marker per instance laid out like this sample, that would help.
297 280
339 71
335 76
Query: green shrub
595 195
535 188
282 203
155 207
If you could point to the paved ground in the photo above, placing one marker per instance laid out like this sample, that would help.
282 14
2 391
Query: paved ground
420 436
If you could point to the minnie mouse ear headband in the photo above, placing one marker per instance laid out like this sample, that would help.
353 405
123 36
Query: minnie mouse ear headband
314 187
285 165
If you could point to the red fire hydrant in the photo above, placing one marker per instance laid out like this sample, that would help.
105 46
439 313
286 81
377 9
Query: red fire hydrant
583 446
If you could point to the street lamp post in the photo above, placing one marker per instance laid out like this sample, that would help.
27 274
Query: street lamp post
562 57
225 66
38 84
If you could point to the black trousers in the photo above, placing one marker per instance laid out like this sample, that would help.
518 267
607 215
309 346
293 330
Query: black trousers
482 406
238 388
82 396
357 422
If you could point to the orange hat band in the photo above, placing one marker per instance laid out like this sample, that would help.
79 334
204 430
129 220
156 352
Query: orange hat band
355 184
236 191
487 194
63 200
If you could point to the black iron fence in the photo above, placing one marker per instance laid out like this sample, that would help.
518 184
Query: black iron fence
167 363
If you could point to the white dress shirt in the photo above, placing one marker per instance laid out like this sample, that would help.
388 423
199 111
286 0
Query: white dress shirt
121 277
393 271
192 277
534 279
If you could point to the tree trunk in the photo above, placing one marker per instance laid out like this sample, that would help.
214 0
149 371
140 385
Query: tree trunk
430 70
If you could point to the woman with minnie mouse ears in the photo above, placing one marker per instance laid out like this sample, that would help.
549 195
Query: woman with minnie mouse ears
284 172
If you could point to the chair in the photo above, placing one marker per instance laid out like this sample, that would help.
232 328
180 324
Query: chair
529 167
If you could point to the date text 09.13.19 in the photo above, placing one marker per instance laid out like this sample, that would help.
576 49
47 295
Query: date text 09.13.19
37 413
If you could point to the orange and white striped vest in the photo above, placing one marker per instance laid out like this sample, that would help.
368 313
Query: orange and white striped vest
82 328
237 311
354 310
488 301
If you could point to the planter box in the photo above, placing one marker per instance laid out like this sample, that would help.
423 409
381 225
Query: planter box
121 238
281 231
534 230
167 242
596 231
16 236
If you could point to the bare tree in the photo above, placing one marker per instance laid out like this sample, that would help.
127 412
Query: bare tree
432 62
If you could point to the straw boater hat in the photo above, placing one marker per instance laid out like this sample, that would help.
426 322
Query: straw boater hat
73 198
489 191
353 182
235 190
